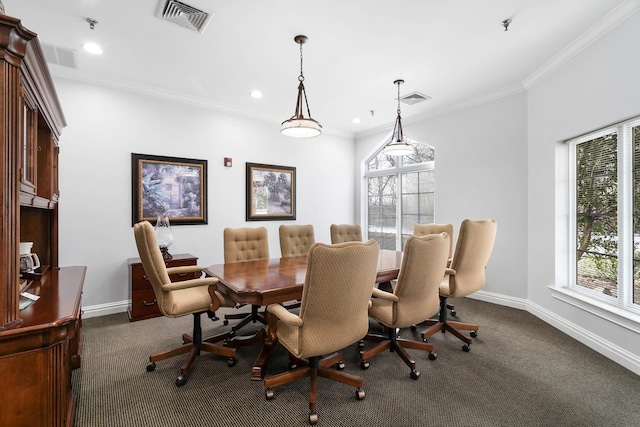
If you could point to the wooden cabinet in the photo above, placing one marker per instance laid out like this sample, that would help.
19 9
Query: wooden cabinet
40 345
143 300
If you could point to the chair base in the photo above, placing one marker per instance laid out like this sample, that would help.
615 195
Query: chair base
397 345
193 344
313 368
252 317
454 327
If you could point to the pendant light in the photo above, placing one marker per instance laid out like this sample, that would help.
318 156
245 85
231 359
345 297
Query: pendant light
298 126
398 146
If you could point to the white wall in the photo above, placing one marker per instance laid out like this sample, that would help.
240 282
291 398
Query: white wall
105 126
480 173
596 88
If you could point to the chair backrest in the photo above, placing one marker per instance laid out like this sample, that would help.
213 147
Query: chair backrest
335 296
345 233
295 240
154 267
245 244
425 229
473 250
424 260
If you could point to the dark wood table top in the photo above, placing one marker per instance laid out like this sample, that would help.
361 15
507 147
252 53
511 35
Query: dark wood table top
268 281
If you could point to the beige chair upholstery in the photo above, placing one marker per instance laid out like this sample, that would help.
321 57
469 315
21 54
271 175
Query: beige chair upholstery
245 244
414 299
176 299
425 229
466 275
333 315
345 233
295 240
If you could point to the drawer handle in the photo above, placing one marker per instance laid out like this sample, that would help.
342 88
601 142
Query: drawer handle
145 278
148 304
182 274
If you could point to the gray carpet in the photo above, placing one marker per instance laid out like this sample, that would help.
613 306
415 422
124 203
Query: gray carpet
519 372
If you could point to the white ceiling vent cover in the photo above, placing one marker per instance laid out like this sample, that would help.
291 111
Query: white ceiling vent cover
59 55
183 15
414 98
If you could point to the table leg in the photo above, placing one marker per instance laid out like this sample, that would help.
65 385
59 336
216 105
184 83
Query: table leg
270 343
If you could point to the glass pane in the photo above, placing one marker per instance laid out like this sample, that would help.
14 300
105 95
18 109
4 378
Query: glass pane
421 153
597 214
427 180
381 161
635 135
382 210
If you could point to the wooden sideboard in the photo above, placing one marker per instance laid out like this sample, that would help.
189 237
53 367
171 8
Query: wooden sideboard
36 359
143 300
41 344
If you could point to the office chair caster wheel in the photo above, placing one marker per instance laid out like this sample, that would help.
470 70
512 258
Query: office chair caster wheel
453 313
414 327
151 367
465 348
473 334
231 362
364 365
361 344
225 322
313 418
415 375
268 394
425 340
360 394
433 356
181 380
340 365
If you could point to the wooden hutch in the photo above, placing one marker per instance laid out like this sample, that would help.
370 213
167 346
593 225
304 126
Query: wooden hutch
41 344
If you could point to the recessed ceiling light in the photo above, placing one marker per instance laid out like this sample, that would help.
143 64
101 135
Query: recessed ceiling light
92 48
256 94
356 120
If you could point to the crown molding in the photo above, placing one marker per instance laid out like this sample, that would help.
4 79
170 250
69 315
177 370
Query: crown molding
593 34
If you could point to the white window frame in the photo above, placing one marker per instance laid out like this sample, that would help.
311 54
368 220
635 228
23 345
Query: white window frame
397 170
619 310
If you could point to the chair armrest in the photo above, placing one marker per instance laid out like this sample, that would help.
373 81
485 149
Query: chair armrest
185 269
384 295
185 284
285 315
449 272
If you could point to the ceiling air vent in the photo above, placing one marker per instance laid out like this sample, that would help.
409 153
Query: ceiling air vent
183 15
414 98
60 56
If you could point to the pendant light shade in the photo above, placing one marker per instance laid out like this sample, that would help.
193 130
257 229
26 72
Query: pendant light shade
299 126
398 145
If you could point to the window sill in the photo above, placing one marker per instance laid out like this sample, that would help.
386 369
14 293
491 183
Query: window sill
617 315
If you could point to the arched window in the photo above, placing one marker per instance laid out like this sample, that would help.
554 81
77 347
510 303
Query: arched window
399 193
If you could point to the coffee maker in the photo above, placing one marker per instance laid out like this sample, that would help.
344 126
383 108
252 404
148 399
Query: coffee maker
28 260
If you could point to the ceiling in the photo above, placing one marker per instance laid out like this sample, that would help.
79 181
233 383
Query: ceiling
457 51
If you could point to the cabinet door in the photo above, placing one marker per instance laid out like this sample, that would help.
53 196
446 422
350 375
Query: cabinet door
28 137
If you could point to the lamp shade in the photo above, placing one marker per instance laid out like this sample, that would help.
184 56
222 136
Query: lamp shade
301 128
396 148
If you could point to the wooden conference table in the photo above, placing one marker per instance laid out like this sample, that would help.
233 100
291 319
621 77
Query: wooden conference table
269 281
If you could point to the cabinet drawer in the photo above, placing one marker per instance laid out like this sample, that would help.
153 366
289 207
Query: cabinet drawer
140 281
143 304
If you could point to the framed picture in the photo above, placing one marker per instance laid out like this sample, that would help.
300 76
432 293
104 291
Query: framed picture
171 185
271 192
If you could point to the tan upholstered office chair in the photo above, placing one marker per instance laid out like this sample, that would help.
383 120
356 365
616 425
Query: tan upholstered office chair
295 240
333 315
465 276
195 296
245 244
414 299
345 233
425 229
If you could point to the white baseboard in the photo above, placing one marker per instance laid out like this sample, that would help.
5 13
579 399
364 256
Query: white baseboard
105 309
507 301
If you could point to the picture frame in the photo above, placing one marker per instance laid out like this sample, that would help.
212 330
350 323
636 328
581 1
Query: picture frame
271 192
173 185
